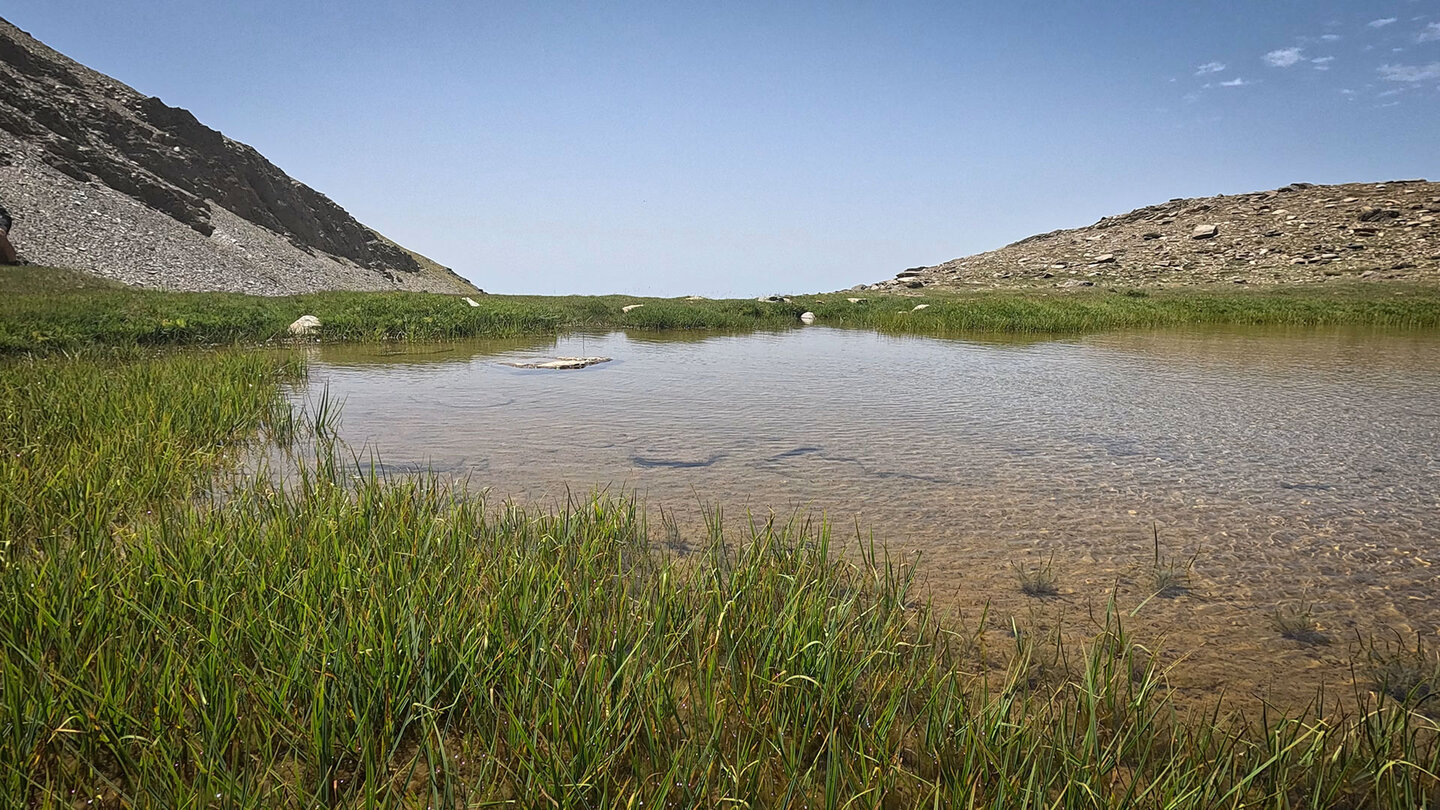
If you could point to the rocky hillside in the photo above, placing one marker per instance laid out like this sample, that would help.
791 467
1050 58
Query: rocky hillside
102 178
1296 234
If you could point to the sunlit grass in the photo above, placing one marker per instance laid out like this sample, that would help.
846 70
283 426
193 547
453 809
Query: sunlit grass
1098 309
91 441
44 314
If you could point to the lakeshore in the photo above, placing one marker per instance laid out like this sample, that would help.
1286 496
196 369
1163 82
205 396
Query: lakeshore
343 640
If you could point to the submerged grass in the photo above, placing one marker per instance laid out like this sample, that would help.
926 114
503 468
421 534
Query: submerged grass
350 641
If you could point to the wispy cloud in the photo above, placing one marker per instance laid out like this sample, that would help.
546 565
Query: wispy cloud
1430 33
1330 37
1410 73
1322 62
1236 82
1382 22
1209 67
1283 57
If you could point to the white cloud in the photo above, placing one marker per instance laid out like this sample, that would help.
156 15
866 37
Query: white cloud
1430 33
1381 23
1330 37
1236 82
1283 57
1410 73
1209 67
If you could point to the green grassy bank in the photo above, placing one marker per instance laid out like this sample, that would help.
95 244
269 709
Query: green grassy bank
47 310
346 641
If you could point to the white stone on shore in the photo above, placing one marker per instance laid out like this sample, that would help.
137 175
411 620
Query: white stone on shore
807 318
629 307
472 302
304 325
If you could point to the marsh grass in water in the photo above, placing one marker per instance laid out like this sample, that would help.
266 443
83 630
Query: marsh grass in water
1038 580
1297 623
1406 672
1170 576
344 640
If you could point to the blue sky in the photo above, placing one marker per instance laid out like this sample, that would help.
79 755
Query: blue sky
742 149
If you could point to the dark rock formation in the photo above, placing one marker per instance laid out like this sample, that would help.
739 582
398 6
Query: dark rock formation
90 127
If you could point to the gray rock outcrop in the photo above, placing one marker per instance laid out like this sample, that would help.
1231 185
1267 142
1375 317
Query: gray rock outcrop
76 147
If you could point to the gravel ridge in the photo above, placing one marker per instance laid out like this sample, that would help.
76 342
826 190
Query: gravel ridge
1301 233
104 179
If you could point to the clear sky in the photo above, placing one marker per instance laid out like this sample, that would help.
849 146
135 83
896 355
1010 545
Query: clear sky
742 149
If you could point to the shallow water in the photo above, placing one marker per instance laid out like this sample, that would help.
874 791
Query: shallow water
1292 466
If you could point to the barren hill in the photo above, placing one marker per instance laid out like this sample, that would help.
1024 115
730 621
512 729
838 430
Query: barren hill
102 178
1299 233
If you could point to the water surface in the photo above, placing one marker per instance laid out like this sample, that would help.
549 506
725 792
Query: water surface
1293 466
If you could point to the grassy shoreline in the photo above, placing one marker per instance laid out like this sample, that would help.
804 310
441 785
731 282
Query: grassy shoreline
44 310
344 640
348 641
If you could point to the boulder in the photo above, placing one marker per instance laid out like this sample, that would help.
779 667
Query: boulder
1371 213
807 318
1205 231
304 325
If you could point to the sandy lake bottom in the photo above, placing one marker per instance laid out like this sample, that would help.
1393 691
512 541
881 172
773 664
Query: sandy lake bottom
1293 467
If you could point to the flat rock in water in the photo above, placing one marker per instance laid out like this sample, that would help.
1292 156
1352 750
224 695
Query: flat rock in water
560 363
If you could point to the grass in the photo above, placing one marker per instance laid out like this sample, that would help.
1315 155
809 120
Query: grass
46 310
1407 674
43 310
1039 580
94 441
1297 623
349 641
1170 577
1098 309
